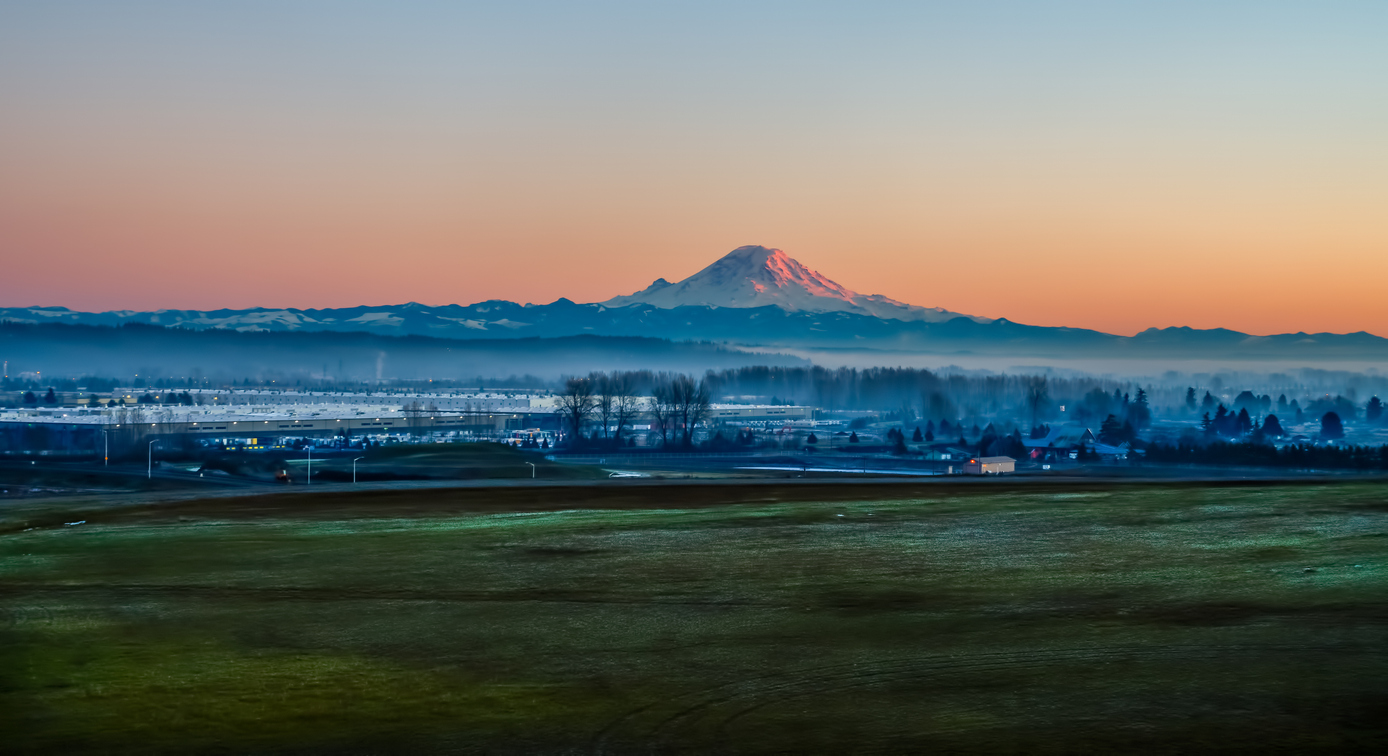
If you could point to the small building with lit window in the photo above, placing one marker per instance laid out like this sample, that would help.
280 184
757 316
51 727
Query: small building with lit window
989 465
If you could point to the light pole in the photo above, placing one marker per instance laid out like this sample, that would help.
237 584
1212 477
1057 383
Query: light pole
308 479
106 448
354 468
532 470
149 474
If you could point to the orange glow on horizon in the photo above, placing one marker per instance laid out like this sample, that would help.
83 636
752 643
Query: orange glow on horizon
1219 173
1091 262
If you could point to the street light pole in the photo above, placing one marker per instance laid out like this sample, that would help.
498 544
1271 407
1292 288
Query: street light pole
354 469
106 448
532 470
308 479
149 474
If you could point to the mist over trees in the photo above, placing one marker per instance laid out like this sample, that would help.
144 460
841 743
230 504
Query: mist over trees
887 407
985 413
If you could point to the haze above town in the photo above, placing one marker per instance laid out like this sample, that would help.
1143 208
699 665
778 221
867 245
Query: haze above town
1086 164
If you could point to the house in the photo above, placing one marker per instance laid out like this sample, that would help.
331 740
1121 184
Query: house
1063 442
1110 453
989 465
943 452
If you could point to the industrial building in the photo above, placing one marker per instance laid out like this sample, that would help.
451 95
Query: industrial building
268 415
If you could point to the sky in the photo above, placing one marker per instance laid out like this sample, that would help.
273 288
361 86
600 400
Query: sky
1110 165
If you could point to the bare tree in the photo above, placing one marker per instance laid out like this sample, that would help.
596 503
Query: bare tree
662 410
173 431
625 404
575 404
690 402
414 415
616 404
129 428
604 403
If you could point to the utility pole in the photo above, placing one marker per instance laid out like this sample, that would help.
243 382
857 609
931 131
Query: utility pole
150 472
308 480
106 448
354 469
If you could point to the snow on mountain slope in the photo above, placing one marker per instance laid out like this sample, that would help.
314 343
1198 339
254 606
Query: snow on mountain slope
754 276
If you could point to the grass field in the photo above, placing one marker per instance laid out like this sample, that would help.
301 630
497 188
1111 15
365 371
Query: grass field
736 619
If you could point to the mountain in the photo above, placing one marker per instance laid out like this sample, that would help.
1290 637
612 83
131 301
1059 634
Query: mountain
754 276
753 296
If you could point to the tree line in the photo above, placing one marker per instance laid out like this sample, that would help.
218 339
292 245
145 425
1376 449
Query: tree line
676 404
1256 454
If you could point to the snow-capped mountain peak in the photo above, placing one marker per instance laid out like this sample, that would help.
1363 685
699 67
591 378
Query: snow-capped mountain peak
755 276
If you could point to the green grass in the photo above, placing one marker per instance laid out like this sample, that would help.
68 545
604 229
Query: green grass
668 619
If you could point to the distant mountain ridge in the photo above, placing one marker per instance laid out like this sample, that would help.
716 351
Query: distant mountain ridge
754 296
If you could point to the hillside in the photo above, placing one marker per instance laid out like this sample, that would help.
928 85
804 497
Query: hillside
61 349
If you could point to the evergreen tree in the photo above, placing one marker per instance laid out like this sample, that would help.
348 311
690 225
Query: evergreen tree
50 397
1111 431
1190 398
1272 428
1245 400
29 398
853 437
1139 414
1245 422
1331 427
1221 421
1374 410
917 437
929 437
1208 402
